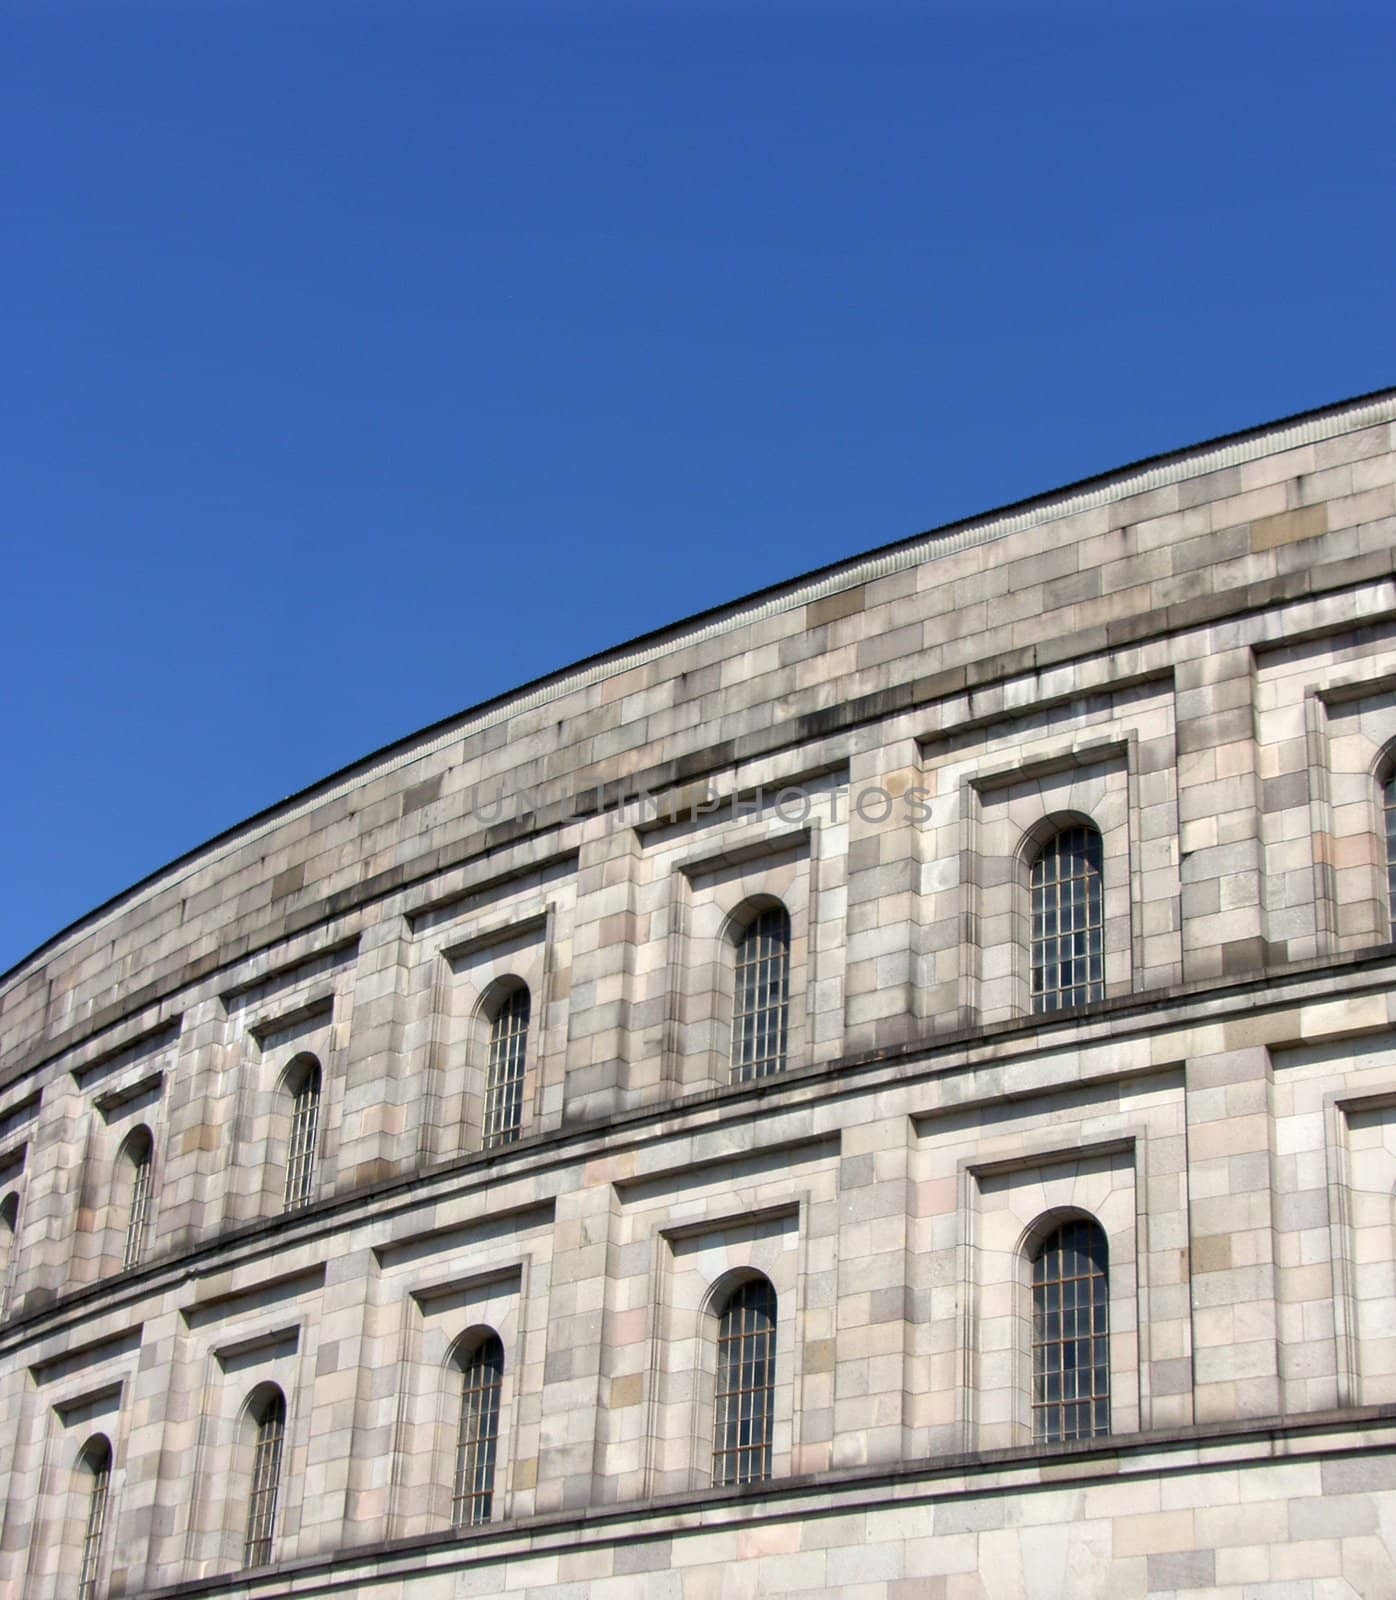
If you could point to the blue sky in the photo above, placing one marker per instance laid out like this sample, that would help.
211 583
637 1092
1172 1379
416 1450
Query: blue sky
359 365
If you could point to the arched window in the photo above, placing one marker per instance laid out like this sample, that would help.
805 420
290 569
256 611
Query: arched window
477 1436
303 1085
504 1075
137 1151
1388 811
1071 1334
746 1380
1067 920
761 999
269 1418
9 1249
94 1465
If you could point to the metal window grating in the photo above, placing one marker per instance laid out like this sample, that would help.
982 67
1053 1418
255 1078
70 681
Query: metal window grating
1070 1335
266 1483
477 1438
1067 921
9 1246
505 1074
746 1373
139 1214
760 1013
99 1468
1388 806
305 1126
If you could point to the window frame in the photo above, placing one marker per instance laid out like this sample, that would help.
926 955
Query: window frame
9 1267
1386 816
752 1027
303 1132
95 1459
138 1152
1047 839
709 899
506 1062
475 1464
754 1343
1051 1238
267 1412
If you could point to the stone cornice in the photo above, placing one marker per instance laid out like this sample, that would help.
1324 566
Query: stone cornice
1143 477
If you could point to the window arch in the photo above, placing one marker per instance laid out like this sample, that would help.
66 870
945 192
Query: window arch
137 1152
761 996
480 1365
1068 931
746 1379
504 1071
1071 1333
94 1474
267 1414
9 1249
302 1083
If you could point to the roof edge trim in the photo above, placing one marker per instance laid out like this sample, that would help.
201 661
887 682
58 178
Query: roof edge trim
1154 472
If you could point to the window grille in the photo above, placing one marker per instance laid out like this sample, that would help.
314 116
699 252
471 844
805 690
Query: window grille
139 1213
505 1074
1067 922
761 1002
305 1125
477 1438
9 1247
746 1373
1070 1335
1388 806
98 1462
266 1482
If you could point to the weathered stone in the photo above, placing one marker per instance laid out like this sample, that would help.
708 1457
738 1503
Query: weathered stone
530 1049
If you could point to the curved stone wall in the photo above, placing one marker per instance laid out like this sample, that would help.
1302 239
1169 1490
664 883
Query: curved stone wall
706 1000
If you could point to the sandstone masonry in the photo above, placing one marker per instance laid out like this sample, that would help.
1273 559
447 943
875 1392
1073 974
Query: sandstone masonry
708 1063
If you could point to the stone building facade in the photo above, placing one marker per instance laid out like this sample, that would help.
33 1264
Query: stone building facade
885 1089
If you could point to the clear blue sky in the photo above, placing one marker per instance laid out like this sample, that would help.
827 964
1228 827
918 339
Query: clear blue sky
359 365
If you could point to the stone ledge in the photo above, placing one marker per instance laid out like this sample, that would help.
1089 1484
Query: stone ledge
580 1141
959 1476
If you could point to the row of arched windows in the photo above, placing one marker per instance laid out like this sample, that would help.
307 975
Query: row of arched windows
1067 947
1067 954
1067 957
1066 969
1070 1395
1069 1269
1067 963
